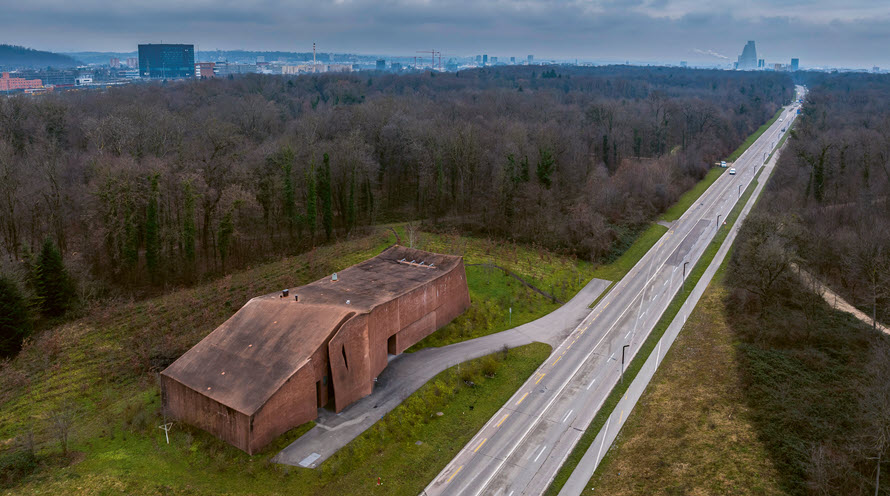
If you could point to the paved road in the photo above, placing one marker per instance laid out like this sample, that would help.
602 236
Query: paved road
407 372
598 449
522 447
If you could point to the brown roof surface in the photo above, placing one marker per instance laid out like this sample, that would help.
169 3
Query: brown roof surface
245 360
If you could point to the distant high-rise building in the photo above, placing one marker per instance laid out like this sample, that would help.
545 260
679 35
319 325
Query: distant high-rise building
682 63
494 60
478 59
761 63
166 61
875 69
396 66
485 59
512 60
795 64
114 63
132 62
381 64
748 59
531 58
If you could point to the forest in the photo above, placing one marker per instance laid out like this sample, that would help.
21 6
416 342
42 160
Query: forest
816 379
156 185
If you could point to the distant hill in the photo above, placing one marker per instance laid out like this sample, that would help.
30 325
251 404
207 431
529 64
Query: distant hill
12 56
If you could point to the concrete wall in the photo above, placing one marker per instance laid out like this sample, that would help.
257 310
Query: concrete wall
292 405
349 355
191 407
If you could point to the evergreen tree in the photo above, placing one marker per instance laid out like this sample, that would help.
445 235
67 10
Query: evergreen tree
311 199
15 323
350 208
226 233
131 237
327 198
285 161
189 231
52 283
152 231
546 167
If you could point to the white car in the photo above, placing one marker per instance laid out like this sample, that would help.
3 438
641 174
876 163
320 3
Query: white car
723 163
732 171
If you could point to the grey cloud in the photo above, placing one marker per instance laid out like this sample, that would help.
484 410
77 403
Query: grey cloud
616 30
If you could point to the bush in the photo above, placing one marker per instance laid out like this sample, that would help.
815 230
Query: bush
16 465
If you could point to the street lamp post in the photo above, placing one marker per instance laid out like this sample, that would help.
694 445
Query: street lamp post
684 275
622 361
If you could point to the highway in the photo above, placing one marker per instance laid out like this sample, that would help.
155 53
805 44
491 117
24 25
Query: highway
521 448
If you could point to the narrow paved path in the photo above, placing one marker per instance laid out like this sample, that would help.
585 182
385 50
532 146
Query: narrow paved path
408 372
836 301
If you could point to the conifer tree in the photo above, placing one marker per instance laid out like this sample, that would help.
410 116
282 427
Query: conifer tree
311 199
152 231
15 323
327 199
52 283
189 231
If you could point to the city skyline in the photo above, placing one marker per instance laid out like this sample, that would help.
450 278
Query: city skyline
665 31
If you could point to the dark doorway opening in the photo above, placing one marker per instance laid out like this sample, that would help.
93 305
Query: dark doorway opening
391 345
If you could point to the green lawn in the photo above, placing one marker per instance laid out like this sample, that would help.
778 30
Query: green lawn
751 139
688 198
135 459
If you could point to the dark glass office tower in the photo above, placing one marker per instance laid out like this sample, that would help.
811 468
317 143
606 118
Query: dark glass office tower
166 61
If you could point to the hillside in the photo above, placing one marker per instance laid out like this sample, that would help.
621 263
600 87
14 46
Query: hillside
13 56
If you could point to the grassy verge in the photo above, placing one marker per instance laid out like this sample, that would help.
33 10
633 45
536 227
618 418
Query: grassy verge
494 294
751 139
646 349
688 198
405 449
690 433
617 269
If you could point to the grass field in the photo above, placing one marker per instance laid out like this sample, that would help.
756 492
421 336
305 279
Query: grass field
646 349
751 139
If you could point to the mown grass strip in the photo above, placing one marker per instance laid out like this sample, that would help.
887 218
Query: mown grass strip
620 267
751 139
688 198
643 354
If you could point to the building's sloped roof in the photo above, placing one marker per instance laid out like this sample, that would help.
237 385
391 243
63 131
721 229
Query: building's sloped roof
248 358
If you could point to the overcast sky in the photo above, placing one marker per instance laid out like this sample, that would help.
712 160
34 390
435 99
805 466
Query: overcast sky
819 32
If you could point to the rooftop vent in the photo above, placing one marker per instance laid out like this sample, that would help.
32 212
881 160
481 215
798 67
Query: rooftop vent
296 297
334 276
284 293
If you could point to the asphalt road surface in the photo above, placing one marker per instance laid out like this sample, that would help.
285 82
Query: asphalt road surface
523 445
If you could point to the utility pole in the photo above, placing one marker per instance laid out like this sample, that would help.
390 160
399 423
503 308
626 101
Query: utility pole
684 275
622 361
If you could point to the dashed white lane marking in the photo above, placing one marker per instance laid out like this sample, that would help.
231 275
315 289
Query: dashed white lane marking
541 453
567 415
591 384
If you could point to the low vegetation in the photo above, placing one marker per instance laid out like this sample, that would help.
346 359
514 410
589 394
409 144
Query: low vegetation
88 388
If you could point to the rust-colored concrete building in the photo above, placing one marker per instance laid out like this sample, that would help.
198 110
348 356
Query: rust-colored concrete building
282 356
